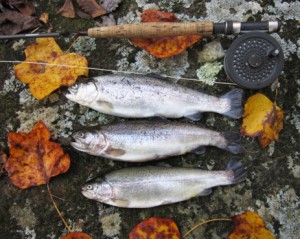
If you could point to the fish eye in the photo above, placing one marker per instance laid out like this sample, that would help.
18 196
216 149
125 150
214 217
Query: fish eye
89 187
81 134
74 87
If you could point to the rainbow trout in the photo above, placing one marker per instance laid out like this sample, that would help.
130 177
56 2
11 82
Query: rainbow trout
144 96
139 141
150 186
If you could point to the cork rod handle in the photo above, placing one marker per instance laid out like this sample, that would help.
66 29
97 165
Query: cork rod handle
153 29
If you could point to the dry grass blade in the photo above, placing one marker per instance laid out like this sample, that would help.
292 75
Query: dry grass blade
202 223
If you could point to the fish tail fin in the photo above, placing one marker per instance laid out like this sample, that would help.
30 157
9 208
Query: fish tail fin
235 172
234 97
232 142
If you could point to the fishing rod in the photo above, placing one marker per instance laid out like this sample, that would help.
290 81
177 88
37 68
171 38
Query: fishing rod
162 29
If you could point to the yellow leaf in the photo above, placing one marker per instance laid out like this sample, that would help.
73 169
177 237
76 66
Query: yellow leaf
249 225
43 79
263 119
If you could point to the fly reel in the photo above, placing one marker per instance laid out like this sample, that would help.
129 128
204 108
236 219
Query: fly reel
254 60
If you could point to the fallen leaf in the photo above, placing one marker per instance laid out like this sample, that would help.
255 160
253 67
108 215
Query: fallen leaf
167 46
67 10
110 5
263 119
76 235
91 7
44 17
12 22
153 228
23 6
33 158
43 79
249 225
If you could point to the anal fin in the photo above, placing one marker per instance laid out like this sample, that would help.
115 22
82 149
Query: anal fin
199 150
205 192
194 117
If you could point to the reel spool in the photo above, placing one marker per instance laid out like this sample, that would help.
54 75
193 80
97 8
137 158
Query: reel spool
254 60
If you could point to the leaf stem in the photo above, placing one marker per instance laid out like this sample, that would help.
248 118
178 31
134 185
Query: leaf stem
202 223
56 208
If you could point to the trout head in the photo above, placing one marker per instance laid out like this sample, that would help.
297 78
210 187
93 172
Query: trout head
83 94
99 190
94 143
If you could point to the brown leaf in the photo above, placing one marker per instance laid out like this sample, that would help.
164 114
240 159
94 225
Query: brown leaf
92 8
155 228
67 10
249 225
33 158
23 6
12 22
166 46
76 235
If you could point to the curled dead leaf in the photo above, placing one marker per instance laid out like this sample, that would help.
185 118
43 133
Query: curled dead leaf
43 78
34 159
76 235
167 46
263 119
249 225
91 7
44 17
155 228
67 10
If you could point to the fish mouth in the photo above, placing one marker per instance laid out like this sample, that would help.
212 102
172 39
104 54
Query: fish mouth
70 95
79 146
86 193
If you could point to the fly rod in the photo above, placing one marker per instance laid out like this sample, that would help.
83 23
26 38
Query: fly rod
162 29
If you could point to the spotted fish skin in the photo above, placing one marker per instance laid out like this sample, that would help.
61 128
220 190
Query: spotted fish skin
149 186
138 141
143 96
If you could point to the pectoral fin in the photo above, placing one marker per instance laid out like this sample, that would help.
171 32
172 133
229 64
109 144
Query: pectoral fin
115 152
105 105
120 202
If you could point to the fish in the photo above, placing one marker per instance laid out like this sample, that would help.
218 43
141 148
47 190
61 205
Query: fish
139 141
134 96
151 186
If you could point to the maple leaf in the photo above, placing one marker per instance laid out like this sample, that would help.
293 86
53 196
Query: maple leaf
249 225
167 46
43 78
263 119
33 158
155 228
76 235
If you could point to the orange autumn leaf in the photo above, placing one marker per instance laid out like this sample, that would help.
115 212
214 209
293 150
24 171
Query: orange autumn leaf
33 158
166 46
263 119
76 235
249 225
43 79
153 228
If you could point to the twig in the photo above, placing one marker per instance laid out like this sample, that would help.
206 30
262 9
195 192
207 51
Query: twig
201 223
56 208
